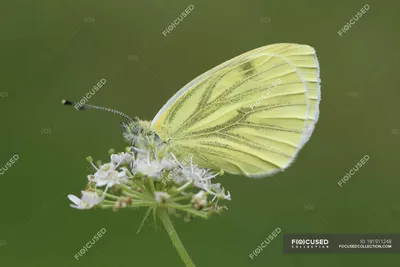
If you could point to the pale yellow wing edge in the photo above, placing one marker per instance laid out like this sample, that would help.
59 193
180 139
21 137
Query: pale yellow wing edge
308 130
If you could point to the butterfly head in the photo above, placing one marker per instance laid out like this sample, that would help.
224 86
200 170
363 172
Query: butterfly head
134 129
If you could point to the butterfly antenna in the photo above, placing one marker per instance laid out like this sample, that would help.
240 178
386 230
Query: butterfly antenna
86 106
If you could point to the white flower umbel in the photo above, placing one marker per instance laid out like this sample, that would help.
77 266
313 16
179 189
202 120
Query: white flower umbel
148 175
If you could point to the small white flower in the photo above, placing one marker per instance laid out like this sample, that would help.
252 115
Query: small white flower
202 179
107 175
161 197
88 200
193 173
167 164
152 170
104 171
179 178
219 191
145 166
122 158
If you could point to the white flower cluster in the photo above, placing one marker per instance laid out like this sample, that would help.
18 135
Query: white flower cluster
138 163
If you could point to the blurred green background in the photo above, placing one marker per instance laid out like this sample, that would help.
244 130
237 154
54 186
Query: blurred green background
51 50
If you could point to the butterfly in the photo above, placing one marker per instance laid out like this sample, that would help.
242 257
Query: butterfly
250 115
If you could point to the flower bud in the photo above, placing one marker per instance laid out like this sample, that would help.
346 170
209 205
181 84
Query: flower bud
199 200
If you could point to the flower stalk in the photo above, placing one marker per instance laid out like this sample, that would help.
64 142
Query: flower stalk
169 227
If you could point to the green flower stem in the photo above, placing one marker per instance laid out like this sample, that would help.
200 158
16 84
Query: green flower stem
183 187
175 199
164 217
137 204
100 192
151 189
201 214
108 202
106 206
187 208
136 194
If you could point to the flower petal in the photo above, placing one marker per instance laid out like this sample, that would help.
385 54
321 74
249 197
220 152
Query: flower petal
74 199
